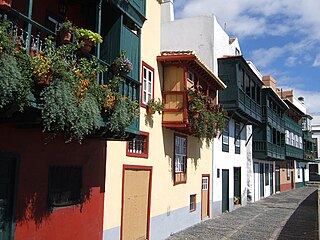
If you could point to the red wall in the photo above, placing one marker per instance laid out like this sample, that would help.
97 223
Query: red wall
37 151
285 187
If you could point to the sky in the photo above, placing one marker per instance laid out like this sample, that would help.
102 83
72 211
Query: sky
281 38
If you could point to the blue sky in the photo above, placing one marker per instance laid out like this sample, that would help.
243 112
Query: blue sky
281 37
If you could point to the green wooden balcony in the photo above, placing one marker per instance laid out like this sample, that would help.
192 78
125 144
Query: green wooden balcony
272 118
245 106
266 150
31 41
292 126
294 152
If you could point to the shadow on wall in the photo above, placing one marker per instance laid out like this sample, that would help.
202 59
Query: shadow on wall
36 156
193 149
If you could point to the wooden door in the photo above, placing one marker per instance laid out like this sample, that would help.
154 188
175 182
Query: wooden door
136 201
225 190
7 177
205 200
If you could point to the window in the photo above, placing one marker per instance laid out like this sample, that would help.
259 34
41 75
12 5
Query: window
192 203
253 90
180 159
287 137
218 173
64 186
237 138
266 174
139 146
205 182
190 77
298 167
225 138
297 141
300 143
147 83
247 84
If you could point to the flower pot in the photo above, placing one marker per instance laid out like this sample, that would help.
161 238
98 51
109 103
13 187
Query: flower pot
5 4
87 45
150 110
65 37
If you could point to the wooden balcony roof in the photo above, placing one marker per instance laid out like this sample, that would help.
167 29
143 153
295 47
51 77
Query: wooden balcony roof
191 59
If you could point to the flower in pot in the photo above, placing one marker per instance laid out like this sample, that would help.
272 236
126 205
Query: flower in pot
41 67
121 65
88 38
65 32
236 200
154 106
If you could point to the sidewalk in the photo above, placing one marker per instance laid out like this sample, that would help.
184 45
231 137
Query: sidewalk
265 219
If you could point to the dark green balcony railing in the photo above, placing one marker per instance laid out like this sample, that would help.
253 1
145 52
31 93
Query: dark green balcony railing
294 152
263 149
292 126
249 105
32 39
272 118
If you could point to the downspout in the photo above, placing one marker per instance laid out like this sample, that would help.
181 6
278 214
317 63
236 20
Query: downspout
98 29
30 5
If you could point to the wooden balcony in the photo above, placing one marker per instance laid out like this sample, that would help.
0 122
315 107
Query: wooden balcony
182 72
31 35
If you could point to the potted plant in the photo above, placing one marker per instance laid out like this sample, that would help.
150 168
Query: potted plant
121 65
154 106
88 38
236 200
5 4
41 66
66 29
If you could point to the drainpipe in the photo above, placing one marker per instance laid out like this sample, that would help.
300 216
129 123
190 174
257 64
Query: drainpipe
98 29
30 5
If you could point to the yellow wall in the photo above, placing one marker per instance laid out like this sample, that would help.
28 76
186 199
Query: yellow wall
165 196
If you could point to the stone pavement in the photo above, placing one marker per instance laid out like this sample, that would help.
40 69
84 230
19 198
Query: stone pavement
276 217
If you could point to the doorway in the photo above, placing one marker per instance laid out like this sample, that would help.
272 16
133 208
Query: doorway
225 190
237 182
205 186
277 178
261 166
136 202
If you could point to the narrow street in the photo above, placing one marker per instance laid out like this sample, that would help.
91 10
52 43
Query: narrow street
288 215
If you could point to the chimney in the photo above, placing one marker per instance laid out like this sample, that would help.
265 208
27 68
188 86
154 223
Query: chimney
269 81
167 11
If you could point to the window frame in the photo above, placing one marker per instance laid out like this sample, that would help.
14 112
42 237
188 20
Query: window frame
146 147
237 142
151 69
193 201
226 134
181 174
53 183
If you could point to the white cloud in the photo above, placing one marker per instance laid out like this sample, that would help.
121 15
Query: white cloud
256 18
316 62
263 57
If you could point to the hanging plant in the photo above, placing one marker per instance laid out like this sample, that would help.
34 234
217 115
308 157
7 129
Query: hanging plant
121 65
10 79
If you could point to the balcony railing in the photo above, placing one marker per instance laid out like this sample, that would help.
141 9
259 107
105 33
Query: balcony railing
272 118
32 40
269 150
294 152
248 105
292 126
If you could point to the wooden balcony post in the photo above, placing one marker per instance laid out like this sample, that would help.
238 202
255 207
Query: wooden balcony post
28 40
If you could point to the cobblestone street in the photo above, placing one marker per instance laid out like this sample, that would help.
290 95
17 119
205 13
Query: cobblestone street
288 215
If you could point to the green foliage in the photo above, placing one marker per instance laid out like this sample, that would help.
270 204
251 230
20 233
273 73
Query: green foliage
121 65
63 112
10 79
7 45
205 117
88 34
155 105
66 26
122 115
